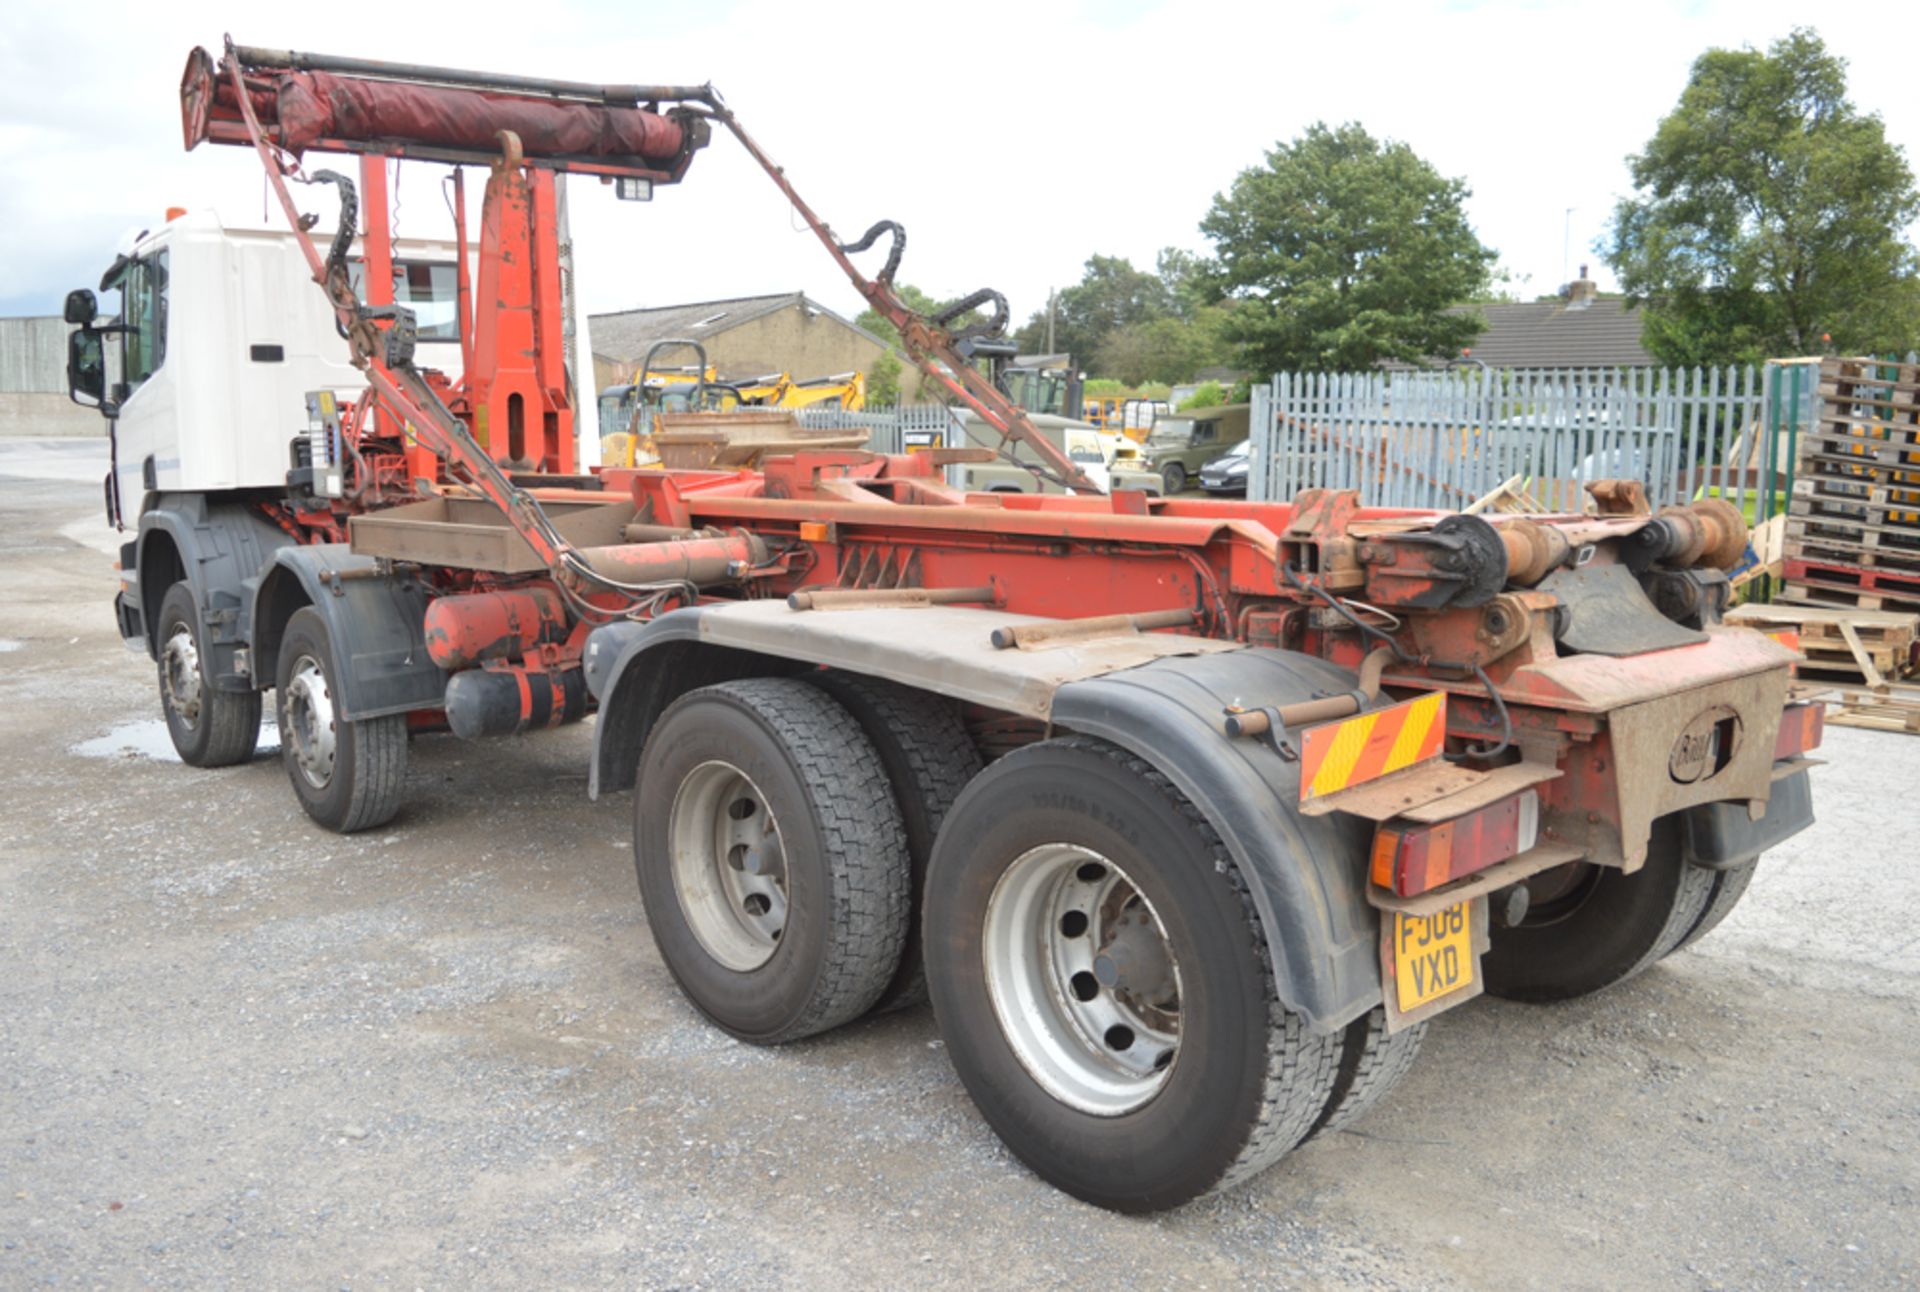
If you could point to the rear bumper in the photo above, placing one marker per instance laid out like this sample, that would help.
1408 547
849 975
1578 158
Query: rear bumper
1723 836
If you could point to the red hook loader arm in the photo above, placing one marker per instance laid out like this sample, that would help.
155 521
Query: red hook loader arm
1186 814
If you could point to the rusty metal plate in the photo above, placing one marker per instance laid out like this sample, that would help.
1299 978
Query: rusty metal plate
1491 787
1609 613
1396 793
1665 761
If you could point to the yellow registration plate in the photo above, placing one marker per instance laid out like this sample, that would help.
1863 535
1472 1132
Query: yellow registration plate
1432 955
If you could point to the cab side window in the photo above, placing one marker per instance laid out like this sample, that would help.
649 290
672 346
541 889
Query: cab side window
1206 432
144 308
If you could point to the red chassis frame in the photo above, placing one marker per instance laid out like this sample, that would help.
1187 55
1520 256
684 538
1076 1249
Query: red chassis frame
1320 575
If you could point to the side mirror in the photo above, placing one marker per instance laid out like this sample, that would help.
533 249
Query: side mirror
82 307
87 371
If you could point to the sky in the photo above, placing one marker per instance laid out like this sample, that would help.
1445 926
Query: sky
1012 140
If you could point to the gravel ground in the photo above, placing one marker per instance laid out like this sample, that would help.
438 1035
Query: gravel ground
238 1051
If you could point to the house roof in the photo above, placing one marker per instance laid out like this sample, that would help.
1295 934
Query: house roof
1597 333
626 335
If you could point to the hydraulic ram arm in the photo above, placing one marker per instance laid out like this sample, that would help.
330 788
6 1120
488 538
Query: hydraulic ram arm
307 101
934 349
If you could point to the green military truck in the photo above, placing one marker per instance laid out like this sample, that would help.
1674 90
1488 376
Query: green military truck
1182 443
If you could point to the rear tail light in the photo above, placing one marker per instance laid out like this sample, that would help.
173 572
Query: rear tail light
1410 858
1802 727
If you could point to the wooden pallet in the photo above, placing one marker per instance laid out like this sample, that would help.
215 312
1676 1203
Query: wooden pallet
1892 508
1869 440
1870 380
1893 708
1868 548
1874 647
1853 585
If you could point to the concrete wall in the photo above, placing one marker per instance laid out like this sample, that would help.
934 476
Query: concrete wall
33 355
33 382
791 340
32 415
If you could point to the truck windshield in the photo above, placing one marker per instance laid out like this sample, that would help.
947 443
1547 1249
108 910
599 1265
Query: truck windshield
1084 447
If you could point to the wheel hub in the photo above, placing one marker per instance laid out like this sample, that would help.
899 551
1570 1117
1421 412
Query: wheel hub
729 866
180 674
1083 979
310 733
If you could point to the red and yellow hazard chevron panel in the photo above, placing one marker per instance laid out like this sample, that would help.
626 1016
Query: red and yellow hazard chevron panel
1338 755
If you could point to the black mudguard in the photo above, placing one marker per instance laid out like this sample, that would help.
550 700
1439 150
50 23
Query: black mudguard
376 623
1724 836
222 545
1307 874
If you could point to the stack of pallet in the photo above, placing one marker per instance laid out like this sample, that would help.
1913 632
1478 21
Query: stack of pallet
1858 656
1853 523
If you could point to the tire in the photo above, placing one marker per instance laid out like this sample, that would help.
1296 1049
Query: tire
929 759
348 776
1173 477
1600 926
209 728
1371 1064
1729 886
1076 827
812 940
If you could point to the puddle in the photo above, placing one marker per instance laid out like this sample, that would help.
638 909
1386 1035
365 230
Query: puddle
8 643
148 738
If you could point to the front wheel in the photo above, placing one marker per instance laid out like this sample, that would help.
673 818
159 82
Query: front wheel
348 775
209 727
1173 477
1104 984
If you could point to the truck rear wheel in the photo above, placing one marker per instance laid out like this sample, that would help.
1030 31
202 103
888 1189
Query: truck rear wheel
1729 886
771 858
1104 984
209 728
348 775
1589 927
1371 1063
929 759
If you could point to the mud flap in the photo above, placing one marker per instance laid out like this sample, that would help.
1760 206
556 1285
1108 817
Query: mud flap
1724 836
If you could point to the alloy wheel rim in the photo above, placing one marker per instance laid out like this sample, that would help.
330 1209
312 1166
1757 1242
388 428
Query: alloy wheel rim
180 674
1083 979
729 865
311 734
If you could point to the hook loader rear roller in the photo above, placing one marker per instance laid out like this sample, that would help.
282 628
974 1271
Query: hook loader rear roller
1187 815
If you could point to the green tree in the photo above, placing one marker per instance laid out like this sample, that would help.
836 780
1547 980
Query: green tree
883 380
1344 250
1767 214
1111 294
1166 349
1209 394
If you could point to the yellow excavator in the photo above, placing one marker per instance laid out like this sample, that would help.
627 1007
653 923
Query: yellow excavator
634 410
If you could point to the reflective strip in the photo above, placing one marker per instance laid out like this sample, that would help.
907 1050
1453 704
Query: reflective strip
1338 755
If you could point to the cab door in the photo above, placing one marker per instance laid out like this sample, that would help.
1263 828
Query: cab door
146 430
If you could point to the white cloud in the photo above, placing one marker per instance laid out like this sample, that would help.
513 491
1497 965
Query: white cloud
1012 142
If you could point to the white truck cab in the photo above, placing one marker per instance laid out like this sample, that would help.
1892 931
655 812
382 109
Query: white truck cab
226 334
203 373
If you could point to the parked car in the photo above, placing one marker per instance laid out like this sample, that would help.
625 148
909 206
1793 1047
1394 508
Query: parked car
1228 472
1182 443
1110 460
